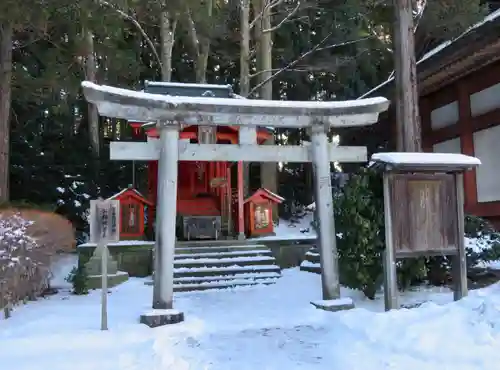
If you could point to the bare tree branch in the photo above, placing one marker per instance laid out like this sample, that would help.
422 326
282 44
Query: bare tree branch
136 24
316 48
269 5
191 29
278 69
287 18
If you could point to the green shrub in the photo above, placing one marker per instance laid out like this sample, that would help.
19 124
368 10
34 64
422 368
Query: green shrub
476 226
360 226
78 278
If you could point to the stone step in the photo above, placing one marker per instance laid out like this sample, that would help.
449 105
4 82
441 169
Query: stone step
308 266
238 277
224 270
221 285
312 257
229 254
207 266
221 262
218 249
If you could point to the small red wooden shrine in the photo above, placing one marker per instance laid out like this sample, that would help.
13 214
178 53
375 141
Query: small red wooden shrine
204 188
132 207
259 212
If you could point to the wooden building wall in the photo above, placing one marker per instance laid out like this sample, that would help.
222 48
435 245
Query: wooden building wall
464 117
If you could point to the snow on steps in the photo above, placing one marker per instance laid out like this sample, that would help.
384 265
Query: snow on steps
219 267
311 262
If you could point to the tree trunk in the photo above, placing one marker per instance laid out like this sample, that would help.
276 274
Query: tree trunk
167 34
264 49
204 49
6 38
268 171
91 72
245 73
407 116
245 48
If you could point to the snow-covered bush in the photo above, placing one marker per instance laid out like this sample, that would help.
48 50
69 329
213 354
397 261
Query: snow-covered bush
22 271
482 245
28 239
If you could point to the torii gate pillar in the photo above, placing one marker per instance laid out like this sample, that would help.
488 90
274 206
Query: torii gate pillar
324 208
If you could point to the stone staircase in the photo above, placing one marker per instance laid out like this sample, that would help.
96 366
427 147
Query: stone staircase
219 267
311 262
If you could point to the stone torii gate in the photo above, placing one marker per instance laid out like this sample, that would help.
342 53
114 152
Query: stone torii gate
170 112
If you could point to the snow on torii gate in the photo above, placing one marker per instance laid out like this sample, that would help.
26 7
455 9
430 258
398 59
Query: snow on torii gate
173 111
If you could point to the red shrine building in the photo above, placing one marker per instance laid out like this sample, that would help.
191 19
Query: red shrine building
211 203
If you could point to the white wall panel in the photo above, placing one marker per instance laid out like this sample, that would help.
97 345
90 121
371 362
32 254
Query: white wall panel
448 146
487 149
485 100
444 116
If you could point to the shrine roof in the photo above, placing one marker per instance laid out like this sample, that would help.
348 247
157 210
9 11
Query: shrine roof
265 193
134 193
442 49
188 89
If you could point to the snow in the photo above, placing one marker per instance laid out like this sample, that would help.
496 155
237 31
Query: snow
60 190
190 102
221 254
118 273
157 312
61 267
115 196
189 85
269 327
480 244
307 263
264 275
445 159
206 261
233 268
346 301
286 230
121 243
489 18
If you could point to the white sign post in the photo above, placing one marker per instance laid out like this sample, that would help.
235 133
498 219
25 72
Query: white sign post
104 229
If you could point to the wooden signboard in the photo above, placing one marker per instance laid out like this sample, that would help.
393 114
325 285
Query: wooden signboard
104 221
104 229
423 214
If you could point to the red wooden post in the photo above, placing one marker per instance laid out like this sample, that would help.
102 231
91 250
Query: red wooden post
241 220
229 195
467 144
152 179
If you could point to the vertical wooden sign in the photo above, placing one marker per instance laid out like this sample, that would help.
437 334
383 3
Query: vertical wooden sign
104 229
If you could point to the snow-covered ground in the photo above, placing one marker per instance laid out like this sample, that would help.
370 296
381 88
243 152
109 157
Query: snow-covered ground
301 229
265 327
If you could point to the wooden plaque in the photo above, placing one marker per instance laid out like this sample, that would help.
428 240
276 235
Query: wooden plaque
218 182
104 221
424 214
